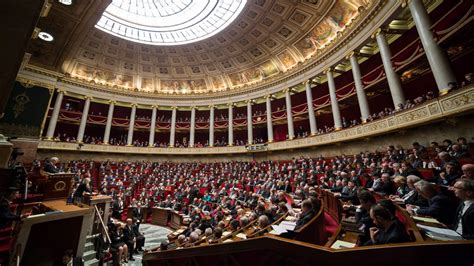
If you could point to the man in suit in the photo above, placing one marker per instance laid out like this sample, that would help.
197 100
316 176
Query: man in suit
440 206
140 238
387 230
138 215
117 208
129 238
307 213
50 165
464 220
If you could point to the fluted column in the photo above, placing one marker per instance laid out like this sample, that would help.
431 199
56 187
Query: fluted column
173 127
192 127
289 115
269 118
231 124
249 123
54 116
85 114
336 114
151 138
311 115
437 58
393 79
211 126
361 96
108 125
131 125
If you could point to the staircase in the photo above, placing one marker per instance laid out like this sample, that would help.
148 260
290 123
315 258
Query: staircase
154 235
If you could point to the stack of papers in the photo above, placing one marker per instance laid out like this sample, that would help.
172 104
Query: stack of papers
440 233
339 244
278 230
226 233
425 219
287 225
241 235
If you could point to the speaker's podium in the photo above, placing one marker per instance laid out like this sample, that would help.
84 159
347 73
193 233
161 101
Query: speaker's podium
53 226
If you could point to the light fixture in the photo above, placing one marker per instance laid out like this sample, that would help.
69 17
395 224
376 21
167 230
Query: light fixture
45 36
65 2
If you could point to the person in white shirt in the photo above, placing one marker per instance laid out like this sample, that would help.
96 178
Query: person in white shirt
464 221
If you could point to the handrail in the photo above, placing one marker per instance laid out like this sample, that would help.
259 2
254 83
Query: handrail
97 213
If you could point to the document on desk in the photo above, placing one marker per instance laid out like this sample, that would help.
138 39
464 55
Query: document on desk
287 225
339 244
278 229
440 233
425 219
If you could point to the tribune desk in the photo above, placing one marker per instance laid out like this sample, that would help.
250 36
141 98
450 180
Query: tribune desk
43 237
160 216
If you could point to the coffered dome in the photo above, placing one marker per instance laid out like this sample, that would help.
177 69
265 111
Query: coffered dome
265 41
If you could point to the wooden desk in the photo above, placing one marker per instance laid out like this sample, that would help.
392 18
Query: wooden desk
160 216
176 220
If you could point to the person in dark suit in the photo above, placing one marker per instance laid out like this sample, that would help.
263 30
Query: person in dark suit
102 246
439 207
362 214
117 208
138 215
387 230
129 238
6 216
140 238
464 219
117 239
307 213
50 165
83 188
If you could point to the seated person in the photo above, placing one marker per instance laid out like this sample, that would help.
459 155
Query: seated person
362 215
216 238
307 213
464 220
387 230
102 246
439 207
50 165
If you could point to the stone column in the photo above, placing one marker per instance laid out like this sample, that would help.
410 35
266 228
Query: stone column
437 58
269 118
393 79
289 115
192 127
336 114
54 116
151 138
211 126
249 122
131 125
311 115
361 96
230 120
173 126
85 114
108 125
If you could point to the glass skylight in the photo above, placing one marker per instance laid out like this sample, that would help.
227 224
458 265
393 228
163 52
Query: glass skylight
168 22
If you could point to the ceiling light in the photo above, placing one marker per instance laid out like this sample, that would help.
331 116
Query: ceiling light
46 36
66 2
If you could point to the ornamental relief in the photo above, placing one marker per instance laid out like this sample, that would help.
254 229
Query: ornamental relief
458 101
413 115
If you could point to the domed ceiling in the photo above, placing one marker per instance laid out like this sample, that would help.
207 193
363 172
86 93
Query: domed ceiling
266 41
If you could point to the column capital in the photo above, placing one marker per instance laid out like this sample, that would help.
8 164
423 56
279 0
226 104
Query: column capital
112 102
87 97
193 107
350 54
63 91
174 107
154 107
404 3
230 104
211 106
249 101
308 81
269 96
329 69
133 105
376 33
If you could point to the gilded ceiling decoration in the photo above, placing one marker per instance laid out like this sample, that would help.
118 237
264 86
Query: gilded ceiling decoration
267 41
